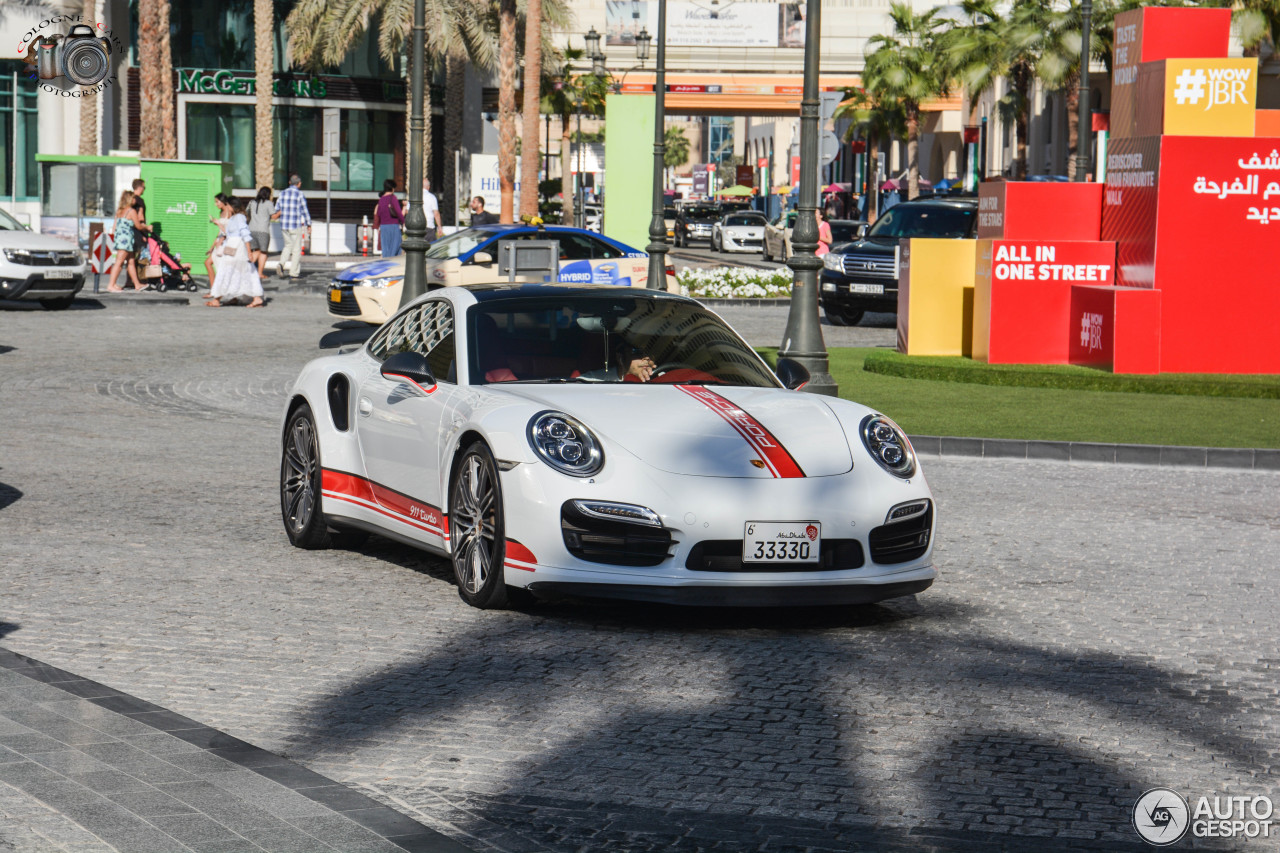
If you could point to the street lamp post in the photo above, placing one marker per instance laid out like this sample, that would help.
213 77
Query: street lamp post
802 340
415 222
1085 128
657 247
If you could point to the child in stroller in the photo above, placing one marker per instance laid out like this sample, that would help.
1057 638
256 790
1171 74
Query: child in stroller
172 274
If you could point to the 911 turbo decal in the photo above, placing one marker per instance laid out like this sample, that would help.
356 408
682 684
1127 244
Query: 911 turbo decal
774 456
341 486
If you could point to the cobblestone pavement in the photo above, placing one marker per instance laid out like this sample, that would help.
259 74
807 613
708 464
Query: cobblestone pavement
1096 631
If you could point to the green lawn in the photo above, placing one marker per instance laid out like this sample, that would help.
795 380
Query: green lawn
933 407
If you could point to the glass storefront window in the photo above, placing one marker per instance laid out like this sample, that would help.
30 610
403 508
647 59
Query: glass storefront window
368 144
297 140
18 165
222 132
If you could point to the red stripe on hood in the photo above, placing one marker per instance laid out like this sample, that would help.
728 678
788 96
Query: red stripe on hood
776 457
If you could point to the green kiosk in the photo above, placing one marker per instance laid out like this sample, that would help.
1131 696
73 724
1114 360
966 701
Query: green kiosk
179 198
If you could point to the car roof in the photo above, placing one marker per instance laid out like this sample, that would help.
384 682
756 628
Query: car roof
506 290
940 202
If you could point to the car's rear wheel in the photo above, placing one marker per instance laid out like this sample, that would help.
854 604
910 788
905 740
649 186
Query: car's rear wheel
62 303
477 530
300 501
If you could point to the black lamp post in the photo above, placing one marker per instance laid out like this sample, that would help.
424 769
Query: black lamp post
1085 130
415 222
802 340
657 247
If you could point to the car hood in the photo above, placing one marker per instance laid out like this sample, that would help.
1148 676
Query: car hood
869 246
707 431
33 241
753 230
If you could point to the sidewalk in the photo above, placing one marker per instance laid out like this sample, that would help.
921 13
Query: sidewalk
88 769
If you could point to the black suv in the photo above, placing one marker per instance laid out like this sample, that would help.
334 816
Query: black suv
694 221
862 275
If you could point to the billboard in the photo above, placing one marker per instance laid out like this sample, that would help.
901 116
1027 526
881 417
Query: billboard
485 183
707 25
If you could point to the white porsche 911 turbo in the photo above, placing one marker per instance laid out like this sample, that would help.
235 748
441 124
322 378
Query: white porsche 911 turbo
601 442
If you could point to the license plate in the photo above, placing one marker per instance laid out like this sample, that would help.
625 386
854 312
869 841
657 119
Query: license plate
335 295
781 542
58 274
866 288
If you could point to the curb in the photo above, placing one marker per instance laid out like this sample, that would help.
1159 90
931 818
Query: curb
383 821
135 298
1154 455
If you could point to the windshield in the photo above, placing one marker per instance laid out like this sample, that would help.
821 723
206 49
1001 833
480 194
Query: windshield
457 244
596 339
923 221
8 223
745 219
702 213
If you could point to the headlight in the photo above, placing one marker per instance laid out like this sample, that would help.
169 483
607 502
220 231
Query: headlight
888 445
379 282
18 256
565 444
832 261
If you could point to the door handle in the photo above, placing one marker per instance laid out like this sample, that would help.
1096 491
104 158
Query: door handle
365 406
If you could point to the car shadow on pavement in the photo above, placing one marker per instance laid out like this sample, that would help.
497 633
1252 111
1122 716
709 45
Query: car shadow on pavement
8 495
7 628
658 728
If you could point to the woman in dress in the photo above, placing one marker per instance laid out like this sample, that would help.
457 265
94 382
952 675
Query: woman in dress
824 233
124 237
215 251
261 211
388 218
236 281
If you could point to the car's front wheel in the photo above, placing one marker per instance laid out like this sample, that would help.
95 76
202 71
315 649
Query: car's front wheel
477 530
834 316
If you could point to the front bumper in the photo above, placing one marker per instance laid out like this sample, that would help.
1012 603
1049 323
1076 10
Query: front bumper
367 304
703 512
835 291
742 244
35 286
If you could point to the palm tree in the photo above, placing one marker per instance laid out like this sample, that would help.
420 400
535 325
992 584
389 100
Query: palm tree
264 21
155 79
907 67
507 109
676 152
455 76
88 103
875 120
529 153
322 33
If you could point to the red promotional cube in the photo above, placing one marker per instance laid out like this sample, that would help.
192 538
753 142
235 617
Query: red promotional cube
1022 295
1032 210
1154 33
1116 328
1192 217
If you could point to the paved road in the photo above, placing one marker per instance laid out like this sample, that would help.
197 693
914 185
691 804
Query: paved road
1096 631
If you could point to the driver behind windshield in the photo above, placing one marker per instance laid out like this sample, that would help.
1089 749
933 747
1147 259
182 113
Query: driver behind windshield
625 361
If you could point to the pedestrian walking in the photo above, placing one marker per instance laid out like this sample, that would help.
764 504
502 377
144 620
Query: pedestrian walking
824 233
261 211
388 218
124 239
480 216
431 207
215 251
295 220
237 281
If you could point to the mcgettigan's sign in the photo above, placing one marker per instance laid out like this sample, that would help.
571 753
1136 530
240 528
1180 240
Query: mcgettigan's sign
202 80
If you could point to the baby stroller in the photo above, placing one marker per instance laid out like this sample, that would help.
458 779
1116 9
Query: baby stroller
172 274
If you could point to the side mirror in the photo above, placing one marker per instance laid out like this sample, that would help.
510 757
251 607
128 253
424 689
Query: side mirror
792 373
482 258
411 367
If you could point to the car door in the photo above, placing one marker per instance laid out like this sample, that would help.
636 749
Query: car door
399 425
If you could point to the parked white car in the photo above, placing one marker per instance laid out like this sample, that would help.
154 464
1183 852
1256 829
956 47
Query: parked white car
38 268
601 442
739 232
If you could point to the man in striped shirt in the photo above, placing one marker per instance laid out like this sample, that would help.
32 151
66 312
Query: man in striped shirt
295 219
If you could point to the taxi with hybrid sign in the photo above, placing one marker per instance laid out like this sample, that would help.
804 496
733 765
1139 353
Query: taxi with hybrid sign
371 291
